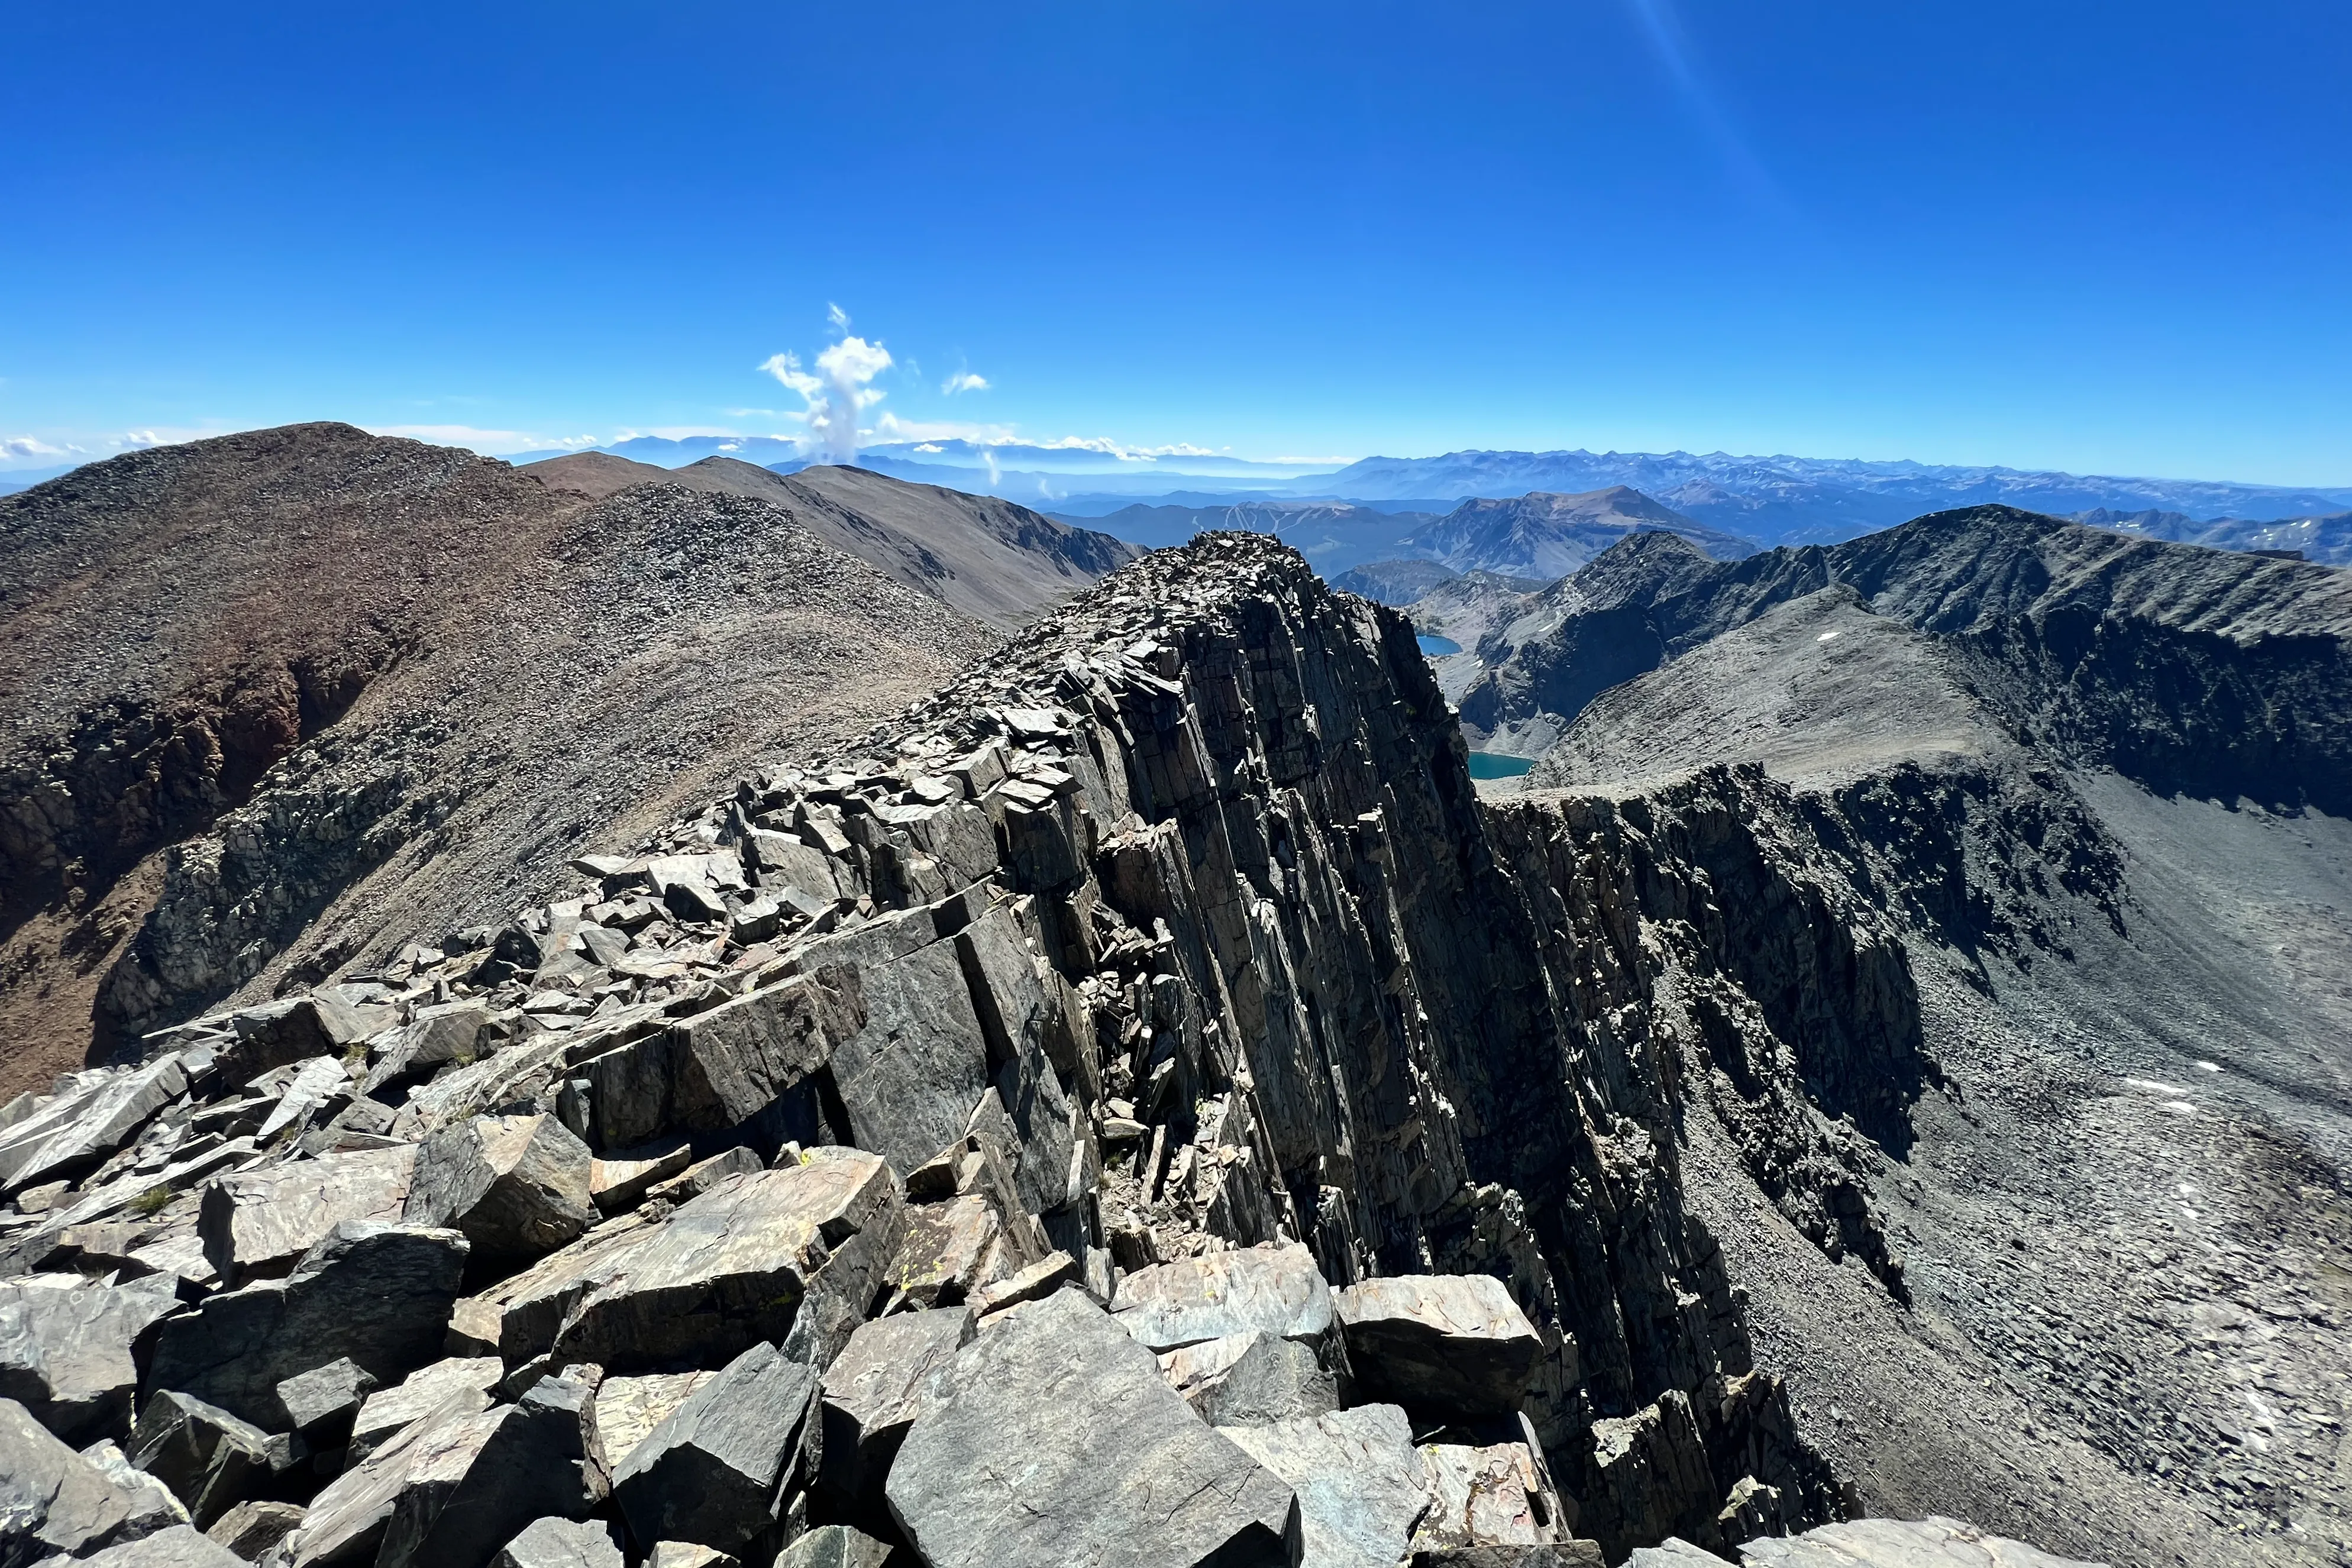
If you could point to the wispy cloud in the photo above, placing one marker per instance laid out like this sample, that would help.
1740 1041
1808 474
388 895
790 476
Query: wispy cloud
1665 31
22 446
963 381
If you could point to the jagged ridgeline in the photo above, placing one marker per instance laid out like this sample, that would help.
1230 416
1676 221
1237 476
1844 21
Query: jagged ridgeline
1142 1110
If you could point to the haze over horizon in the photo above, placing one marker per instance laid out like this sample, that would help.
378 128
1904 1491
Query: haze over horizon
2045 242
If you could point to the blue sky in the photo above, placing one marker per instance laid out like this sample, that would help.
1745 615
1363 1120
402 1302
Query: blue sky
2104 237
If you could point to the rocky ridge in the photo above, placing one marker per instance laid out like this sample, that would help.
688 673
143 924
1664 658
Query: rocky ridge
1148 1040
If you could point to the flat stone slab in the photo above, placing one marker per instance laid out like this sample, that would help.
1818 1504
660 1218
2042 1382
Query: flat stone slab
562 1544
1931 1543
466 1381
1274 1289
53 1500
726 1270
1362 1486
874 1389
177 1546
716 1470
66 1347
1452 1344
1052 1440
378 1294
264 1219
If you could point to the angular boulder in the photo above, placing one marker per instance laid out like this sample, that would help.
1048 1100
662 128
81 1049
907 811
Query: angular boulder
716 1470
67 1347
80 1127
629 1408
321 1404
176 1546
463 1382
1052 1440
738 1265
210 1459
1496 1495
835 1546
250 1529
1277 1290
1442 1344
1559 1554
258 1221
562 1544
872 1391
53 1500
1251 1379
1934 1541
379 1295
517 1186
1362 1486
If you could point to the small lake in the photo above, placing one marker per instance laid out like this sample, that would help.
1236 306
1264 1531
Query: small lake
1495 765
1438 647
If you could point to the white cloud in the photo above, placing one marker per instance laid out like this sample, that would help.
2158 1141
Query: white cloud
841 389
963 381
836 318
28 447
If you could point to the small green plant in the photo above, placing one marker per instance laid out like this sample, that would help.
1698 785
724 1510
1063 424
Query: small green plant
153 1201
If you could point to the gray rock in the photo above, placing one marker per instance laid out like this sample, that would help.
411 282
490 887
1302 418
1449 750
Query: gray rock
1251 1379
517 1187
835 1546
562 1544
67 1347
703 1174
1362 1488
1675 1552
258 1221
476 1483
1648 1476
949 1251
621 1181
1931 1543
629 1408
321 1404
80 1128
734 1267
687 1554
438 1035
1453 1345
53 1500
210 1459
1035 1282
720 1067
379 1295
716 1470
345 1523
153 1506
250 1529
462 1382
1490 1496
872 1390
1052 1440
175 1546
275 1034
1275 1289
1559 1554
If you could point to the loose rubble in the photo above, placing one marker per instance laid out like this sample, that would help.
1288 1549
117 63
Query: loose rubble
1049 1138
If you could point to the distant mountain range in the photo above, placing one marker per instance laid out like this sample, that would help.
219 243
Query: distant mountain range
2325 539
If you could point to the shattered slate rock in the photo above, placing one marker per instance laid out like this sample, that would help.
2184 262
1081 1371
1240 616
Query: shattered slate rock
80 1128
1456 1344
256 1221
873 1389
250 1529
321 1404
1931 1543
1275 1289
476 1483
52 1500
619 1182
562 1544
1052 1440
1362 1486
629 1408
835 1546
177 1546
67 1347
1558 1555
732 1268
1490 1496
716 1470
1251 1379
379 1295
517 1186
464 1382
210 1459
687 1554
949 1251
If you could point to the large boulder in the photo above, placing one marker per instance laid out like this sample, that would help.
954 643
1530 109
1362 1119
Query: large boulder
720 1067
517 1186
562 1544
321 1404
872 1391
1440 1344
1272 1290
717 1471
67 1347
378 1294
1362 1486
738 1265
210 1459
1052 1440
258 1221
175 1546
454 1488
464 1382
1251 1379
628 1409
78 1128
835 1546
1494 1495
250 1529
53 1500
